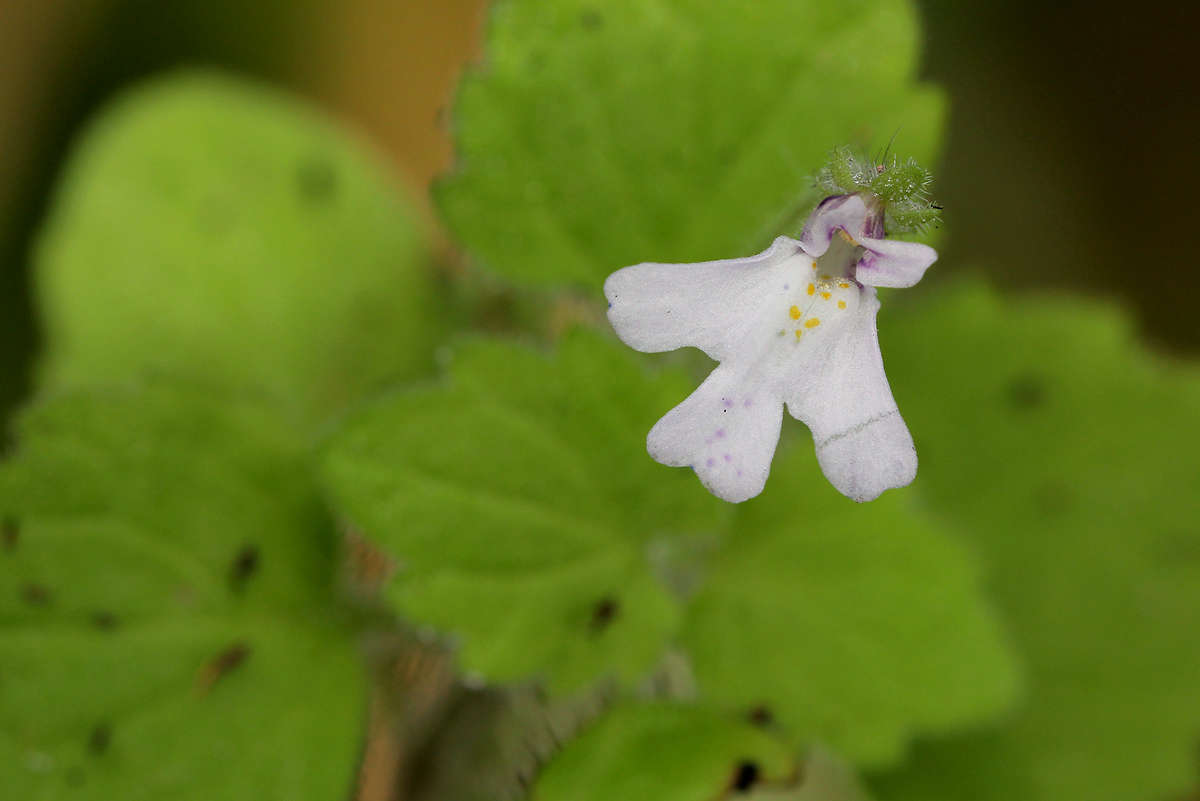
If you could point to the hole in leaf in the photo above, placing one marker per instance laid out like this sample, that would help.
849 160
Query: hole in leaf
604 613
745 776
1026 392
99 739
221 665
245 565
10 532
36 594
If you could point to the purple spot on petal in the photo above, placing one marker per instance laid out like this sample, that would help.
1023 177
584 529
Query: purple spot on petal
720 433
739 474
785 286
710 462
726 402
747 403
728 457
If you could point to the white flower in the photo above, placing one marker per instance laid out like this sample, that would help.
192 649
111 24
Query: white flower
793 325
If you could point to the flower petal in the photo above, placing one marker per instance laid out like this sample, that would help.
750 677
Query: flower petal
726 431
842 395
847 213
709 305
890 262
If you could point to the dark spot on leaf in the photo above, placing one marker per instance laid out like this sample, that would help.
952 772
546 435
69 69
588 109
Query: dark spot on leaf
603 614
761 716
1026 392
591 19
317 181
221 665
745 776
245 565
104 620
36 594
10 532
99 739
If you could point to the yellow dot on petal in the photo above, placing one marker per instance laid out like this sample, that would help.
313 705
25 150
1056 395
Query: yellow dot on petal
843 285
841 304
811 289
826 277
812 322
814 265
826 295
795 312
799 333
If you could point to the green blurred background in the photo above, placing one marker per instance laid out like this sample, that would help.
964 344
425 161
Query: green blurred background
1067 162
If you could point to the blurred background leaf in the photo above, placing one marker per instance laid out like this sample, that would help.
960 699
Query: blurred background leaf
856 625
525 534
166 606
61 60
217 230
597 135
1067 455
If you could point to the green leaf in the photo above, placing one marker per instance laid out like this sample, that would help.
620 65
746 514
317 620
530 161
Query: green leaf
166 627
218 230
666 752
1068 454
857 625
603 134
519 502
